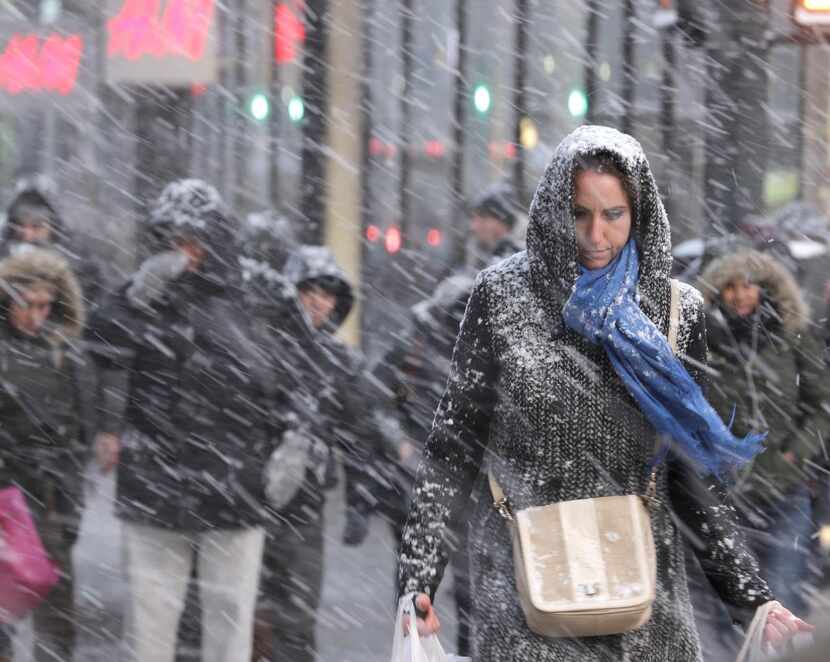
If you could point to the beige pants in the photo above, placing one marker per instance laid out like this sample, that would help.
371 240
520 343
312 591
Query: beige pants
158 563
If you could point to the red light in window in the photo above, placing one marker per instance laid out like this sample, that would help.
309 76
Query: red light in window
375 146
198 89
434 237
289 32
393 240
434 149
373 233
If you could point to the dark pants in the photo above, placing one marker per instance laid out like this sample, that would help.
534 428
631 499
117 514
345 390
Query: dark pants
54 618
781 540
291 584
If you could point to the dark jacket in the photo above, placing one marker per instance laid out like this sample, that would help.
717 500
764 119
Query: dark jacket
769 372
45 420
344 425
415 370
203 409
30 198
555 422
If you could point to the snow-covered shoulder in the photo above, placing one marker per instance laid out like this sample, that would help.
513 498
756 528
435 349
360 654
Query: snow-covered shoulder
691 311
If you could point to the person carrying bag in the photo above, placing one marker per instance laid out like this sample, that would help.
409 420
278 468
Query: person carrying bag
562 381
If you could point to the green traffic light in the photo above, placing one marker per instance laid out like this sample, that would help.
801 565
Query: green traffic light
481 98
296 109
577 103
259 107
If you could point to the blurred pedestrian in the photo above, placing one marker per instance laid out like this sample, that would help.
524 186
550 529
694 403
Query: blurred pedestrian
342 427
33 220
201 420
769 375
44 423
415 373
552 380
493 217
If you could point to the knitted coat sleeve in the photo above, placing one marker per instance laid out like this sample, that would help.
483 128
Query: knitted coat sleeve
453 453
711 521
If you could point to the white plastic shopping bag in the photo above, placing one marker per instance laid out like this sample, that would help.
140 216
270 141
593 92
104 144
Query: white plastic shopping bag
753 648
413 647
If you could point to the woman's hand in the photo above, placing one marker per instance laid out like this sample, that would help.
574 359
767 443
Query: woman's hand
782 626
427 625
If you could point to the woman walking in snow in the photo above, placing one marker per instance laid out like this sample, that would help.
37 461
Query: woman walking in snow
538 383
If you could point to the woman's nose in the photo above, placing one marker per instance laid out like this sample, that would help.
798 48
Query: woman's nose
595 231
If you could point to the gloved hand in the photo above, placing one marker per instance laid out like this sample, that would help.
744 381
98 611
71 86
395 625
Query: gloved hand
286 468
357 527
151 280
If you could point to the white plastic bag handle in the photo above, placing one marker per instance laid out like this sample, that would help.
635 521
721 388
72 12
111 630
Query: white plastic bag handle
414 648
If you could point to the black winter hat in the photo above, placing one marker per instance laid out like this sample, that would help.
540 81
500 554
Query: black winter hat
498 202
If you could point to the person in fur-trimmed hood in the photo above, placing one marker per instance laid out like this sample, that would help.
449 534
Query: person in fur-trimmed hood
770 376
562 377
44 423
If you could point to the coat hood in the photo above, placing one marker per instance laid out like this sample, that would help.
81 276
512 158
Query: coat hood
32 200
778 284
38 265
551 236
194 208
310 263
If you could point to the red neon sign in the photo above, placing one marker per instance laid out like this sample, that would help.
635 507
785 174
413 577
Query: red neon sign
32 64
141 28
289 32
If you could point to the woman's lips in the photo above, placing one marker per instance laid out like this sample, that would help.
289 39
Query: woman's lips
595 254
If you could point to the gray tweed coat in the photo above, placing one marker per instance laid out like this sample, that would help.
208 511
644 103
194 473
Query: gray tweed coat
547 413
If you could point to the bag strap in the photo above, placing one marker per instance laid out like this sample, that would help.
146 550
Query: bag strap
661 448
674 315
500 502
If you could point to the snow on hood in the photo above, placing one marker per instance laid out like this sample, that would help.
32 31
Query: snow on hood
551 237
310 263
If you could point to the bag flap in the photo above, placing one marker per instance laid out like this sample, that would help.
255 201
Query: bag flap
587 554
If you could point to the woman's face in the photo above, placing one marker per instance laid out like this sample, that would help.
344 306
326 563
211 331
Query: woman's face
741 297
602 216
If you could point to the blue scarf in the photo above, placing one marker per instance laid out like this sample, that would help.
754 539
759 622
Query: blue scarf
603 308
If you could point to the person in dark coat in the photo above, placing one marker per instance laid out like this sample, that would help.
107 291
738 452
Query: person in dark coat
33 220
203 416
770 375
532 385
44 421
340 427
415 373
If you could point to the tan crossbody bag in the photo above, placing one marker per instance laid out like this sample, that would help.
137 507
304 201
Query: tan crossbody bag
587 567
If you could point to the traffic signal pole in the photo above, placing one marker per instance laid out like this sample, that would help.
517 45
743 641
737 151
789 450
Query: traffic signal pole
736 128
404 188
522 18
458 222
315 95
